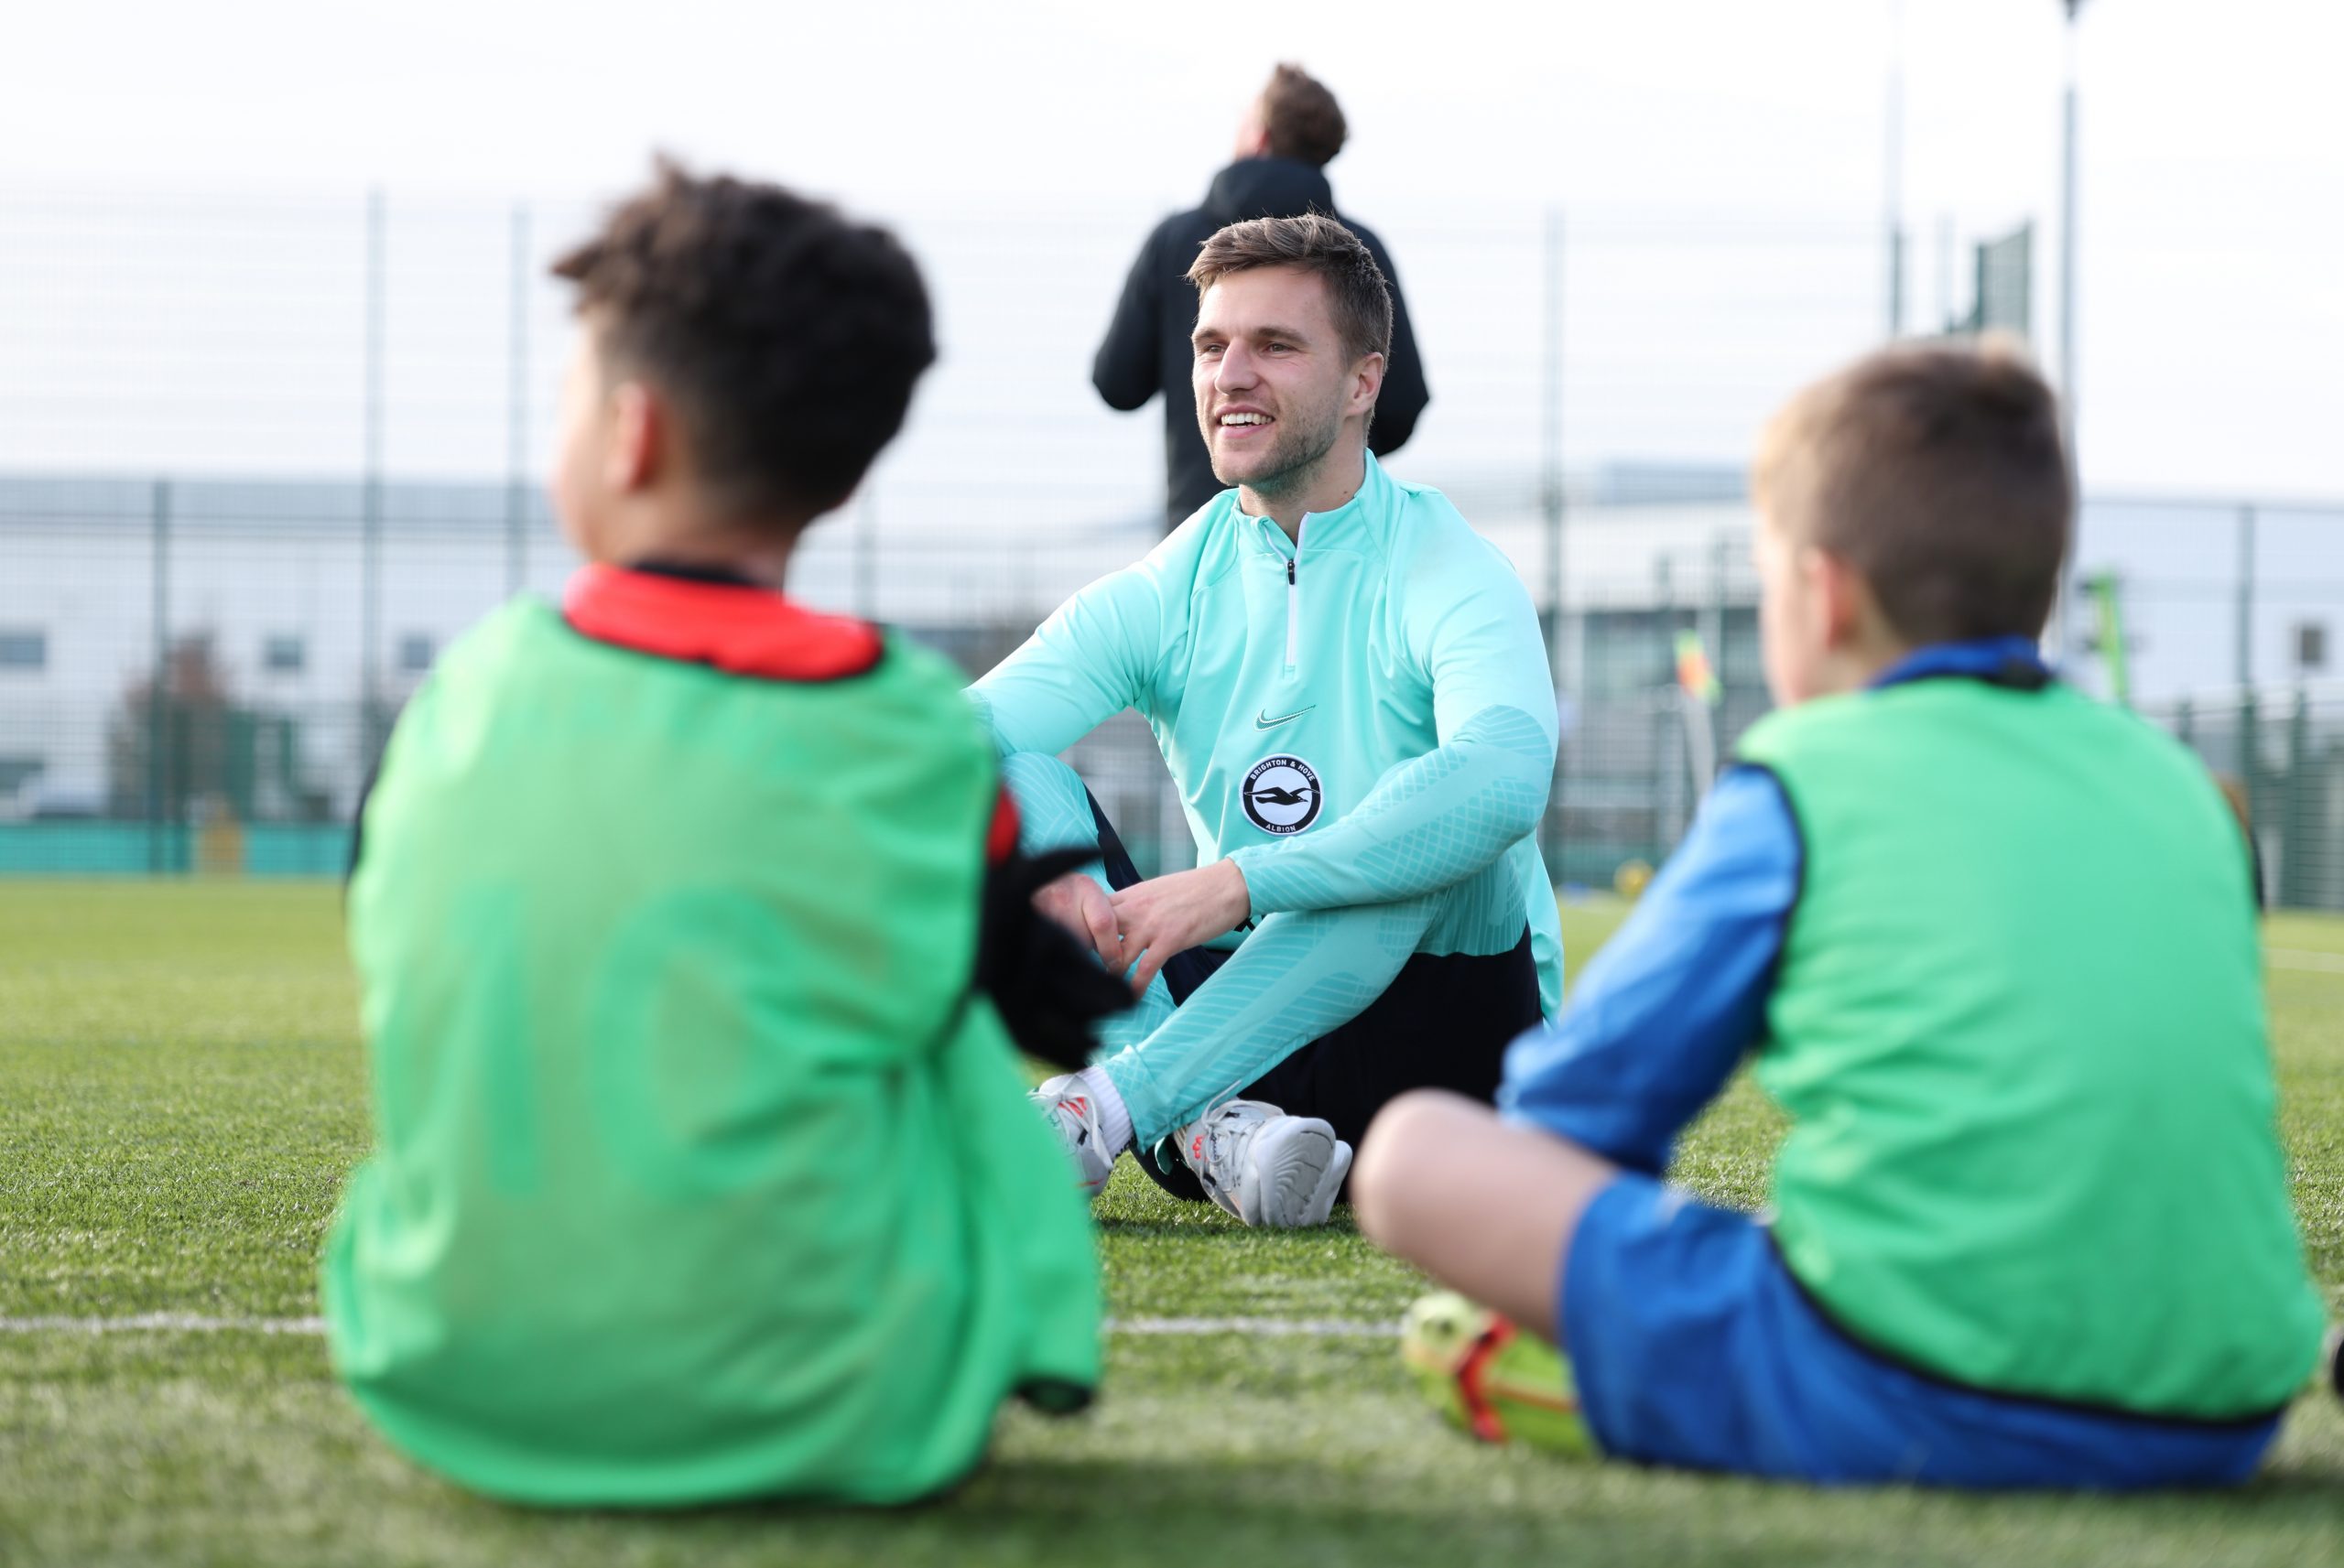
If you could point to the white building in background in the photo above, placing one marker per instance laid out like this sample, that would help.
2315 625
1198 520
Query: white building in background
2213 594
272 577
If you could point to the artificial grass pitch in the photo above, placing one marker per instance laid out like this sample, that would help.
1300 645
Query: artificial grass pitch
181 1091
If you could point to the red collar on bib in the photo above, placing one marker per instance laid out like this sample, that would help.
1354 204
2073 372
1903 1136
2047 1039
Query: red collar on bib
736 627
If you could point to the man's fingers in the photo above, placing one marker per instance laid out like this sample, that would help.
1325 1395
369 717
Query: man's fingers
1109 943
1080 905
1099 916
1061 900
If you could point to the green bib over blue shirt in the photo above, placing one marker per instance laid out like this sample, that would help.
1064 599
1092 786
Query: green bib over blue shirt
2018 1026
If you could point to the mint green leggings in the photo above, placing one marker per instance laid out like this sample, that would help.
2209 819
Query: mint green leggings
1296 975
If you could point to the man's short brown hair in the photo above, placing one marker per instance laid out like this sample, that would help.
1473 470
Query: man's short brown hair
1939 474
1357 295
1302 117
787 335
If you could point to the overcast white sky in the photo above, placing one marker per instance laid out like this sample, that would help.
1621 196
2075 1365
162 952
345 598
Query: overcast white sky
2212 261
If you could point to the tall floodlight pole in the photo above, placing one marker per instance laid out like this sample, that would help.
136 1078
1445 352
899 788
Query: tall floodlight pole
2060 619
1550 440
1550 500
1892 171
517 406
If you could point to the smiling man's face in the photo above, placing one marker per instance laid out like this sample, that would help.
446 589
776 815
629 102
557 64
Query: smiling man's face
1273 377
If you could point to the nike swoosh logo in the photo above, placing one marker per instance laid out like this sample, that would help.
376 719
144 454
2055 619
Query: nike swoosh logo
1266 722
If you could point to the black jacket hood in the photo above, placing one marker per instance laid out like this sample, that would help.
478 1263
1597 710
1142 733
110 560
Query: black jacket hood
1269 188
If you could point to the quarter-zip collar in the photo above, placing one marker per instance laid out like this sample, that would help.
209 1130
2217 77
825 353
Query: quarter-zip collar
1340 524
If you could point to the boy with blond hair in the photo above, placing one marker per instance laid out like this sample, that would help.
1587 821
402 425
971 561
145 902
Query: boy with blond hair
1992 947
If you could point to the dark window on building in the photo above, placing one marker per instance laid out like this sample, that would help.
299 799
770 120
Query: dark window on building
2311 645
23 650
284 654
414 653
16 772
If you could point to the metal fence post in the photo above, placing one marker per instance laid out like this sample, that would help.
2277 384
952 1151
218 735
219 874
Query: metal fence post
1892 184
2250 770
867 554
159 683
1672 762
2243 652
2062 618
370 555
1550 500
2295 875
516 413
1714 615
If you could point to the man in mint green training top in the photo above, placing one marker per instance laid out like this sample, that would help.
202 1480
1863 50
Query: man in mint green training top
1990 946
1349 688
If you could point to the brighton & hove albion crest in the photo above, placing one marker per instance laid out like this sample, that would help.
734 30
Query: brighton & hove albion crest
1281 794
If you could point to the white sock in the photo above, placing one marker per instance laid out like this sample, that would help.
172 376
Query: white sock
1114 1117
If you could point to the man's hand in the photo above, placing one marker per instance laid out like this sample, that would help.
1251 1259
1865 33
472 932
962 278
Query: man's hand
1172 915
1080 905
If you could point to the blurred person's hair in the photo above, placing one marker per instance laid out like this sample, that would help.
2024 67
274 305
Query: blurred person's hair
2241 803
1357 295
1939 474
1302 117
787 336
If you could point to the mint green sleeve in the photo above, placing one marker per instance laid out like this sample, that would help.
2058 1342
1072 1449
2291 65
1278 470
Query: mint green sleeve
1095 656
1467 623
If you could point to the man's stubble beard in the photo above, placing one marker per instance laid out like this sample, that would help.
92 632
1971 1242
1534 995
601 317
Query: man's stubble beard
1295 457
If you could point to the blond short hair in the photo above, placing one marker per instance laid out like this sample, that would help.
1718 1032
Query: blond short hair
1939 474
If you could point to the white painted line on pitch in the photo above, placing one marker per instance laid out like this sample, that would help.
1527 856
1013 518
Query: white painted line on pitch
1190 1327
162 1323
2304 958
1266 1327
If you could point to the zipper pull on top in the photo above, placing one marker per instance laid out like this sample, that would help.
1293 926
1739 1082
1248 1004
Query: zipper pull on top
1293 598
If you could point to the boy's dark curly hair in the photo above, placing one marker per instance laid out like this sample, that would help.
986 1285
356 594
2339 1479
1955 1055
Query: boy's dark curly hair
786 336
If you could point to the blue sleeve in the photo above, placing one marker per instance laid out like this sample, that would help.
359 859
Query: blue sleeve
1664 1013
1095 656
1434 821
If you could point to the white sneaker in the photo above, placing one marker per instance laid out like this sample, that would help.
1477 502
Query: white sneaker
1065 1101
1266 1167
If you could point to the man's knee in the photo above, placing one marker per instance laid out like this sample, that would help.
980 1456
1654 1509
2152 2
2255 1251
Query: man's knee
1041 774
1413 1133
1053 806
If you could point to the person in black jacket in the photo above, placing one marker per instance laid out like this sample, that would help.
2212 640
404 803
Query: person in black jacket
1284 144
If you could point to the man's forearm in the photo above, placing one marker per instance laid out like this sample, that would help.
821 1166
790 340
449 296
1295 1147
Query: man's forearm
1428 825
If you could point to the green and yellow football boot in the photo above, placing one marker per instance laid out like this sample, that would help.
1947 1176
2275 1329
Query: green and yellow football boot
1493 1379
